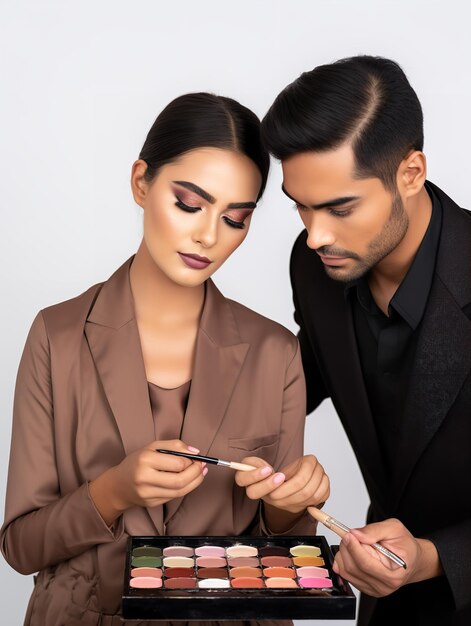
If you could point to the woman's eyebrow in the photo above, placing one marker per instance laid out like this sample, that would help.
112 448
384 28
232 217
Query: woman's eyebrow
211 199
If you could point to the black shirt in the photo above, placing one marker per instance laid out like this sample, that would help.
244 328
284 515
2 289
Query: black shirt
386 343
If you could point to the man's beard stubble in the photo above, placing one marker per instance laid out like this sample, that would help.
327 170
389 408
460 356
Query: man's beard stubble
384 243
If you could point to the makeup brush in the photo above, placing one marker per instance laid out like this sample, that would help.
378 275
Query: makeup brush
340 529
211 459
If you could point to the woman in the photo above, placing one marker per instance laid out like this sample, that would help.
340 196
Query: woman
156 357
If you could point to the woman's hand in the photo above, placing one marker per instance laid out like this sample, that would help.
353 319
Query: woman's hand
146 478
300 484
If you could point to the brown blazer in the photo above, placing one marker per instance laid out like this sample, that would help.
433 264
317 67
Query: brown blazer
82 404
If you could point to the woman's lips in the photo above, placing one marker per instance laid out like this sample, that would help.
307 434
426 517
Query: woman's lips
333 260
195 261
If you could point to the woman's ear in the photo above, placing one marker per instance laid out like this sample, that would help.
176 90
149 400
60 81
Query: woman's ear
412 173
139 185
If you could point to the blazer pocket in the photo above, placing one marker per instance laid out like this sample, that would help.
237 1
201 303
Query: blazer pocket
253 443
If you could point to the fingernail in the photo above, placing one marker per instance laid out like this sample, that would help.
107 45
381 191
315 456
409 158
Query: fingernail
205 471
266 471
335 567
203 463
192 449
346 539
278 478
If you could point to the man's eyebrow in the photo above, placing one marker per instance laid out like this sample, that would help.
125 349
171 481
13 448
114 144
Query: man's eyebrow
324 205
211 199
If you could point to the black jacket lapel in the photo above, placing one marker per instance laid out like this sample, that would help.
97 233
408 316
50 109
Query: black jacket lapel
443 356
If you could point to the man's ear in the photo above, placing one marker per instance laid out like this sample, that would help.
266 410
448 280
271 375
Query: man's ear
411 174
139 185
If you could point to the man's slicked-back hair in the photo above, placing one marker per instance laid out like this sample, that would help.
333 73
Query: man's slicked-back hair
365 101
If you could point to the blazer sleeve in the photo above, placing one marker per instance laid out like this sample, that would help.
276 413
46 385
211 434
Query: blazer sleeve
316 391
43 526
291 442
453 544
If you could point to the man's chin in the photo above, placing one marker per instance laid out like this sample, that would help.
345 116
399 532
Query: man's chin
344 275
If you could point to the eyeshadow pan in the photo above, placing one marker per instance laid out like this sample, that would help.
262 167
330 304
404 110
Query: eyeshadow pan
154 572
281 583
273 551
178 561
312 572
315 583
145 582
211 561
245 572
214 583
146 561
303 550
241 550
210 551
308 561
179 572
147 551
276 561
247 583
212 572
178 551
180 583
279 572
243 561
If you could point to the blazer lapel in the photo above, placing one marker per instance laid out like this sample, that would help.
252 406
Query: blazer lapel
219 357
113 337
443 357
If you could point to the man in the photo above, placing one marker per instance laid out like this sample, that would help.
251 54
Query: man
381 280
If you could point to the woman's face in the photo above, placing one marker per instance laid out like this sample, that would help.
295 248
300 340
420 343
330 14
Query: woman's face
197 211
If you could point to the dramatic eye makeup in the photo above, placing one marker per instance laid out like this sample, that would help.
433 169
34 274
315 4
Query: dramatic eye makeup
190 197
233 578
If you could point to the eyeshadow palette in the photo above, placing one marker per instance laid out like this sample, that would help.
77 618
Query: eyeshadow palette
232 578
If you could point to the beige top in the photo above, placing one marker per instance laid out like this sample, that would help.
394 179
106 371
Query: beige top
168 410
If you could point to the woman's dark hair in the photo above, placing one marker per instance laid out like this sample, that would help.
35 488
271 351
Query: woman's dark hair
198 120
365 100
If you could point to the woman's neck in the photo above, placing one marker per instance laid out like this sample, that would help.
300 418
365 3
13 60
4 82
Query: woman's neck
158 299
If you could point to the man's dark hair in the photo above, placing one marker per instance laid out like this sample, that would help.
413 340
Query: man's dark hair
365 100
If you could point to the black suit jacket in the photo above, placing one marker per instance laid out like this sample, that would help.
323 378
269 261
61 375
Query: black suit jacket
430 489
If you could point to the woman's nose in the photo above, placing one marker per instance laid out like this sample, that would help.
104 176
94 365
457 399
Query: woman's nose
206 231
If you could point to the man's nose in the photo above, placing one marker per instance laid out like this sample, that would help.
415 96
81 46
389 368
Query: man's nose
319 231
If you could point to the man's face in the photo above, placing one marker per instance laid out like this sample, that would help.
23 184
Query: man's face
353 224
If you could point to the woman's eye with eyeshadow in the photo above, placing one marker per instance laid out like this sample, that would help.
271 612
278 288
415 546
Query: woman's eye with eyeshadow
186 207
233 223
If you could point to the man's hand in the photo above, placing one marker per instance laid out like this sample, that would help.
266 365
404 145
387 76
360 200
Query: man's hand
376 575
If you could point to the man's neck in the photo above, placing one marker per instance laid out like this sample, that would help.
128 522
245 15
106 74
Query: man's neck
385 278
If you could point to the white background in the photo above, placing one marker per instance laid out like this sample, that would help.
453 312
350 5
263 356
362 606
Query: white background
81 84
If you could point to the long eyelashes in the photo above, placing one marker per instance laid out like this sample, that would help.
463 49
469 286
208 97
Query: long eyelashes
193 209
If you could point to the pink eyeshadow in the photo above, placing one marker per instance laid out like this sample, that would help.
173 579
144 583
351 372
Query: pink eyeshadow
312 572
211 561
145 582
315 583
153 572
210 551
